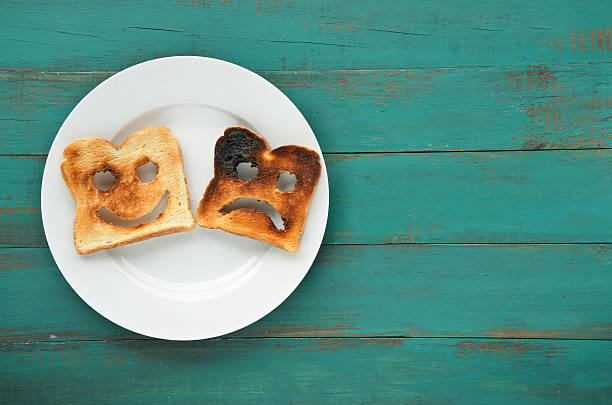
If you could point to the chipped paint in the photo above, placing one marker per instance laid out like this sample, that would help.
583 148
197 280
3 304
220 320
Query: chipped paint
329 329
529 78
382 342
408 236
383 87
19 210
17 336
593 41
507 348
550 102
30 157
593 330
335 345
346 233
196 3
351 156
421 291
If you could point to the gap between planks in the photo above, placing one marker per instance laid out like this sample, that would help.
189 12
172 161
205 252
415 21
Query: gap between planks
409 243
245 338
289 72
395 152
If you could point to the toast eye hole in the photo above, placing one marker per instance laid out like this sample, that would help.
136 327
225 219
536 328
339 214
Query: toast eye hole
147 172
286 181
104 180
247 171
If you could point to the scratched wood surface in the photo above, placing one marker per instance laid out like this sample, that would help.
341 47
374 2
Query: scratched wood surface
498 291
70 35
467 254
485 197
449 109
429 371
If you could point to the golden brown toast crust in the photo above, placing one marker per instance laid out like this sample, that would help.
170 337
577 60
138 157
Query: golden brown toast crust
240 145
129 197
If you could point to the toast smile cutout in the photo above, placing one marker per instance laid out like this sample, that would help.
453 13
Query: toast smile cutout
251 203
240 145
110 217
125 212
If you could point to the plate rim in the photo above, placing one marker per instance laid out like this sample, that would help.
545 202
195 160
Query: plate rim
60 262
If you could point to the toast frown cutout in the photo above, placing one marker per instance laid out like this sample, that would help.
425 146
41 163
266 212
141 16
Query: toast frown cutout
240 145
129 198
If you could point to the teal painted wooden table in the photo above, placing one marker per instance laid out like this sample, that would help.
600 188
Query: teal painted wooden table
467 256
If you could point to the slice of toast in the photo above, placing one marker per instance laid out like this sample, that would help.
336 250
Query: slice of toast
240 145
129 198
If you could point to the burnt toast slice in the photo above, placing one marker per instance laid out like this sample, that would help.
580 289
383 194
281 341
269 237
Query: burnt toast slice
240 145
129 198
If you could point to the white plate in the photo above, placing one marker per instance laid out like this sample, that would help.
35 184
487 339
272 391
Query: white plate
198 284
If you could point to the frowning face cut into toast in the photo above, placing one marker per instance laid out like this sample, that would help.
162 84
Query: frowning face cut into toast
125 208
220 207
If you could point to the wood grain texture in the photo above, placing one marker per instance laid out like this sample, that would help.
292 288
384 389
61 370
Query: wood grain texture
503 108
427 371
482 197
303 35
403 305
497 291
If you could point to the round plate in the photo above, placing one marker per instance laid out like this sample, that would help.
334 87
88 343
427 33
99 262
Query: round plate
198 284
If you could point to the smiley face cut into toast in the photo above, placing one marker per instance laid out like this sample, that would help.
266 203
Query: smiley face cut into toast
129 199
240 145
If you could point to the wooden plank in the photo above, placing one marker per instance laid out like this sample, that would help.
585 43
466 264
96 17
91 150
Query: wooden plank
498 291
482 197
430 371
506 108
20 182
304 35
503 197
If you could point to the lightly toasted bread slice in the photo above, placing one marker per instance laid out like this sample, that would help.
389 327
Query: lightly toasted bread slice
240 145
129 198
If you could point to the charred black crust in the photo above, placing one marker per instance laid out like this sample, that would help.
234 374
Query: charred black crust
237 145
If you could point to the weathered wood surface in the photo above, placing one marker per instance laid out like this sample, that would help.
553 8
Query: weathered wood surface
425 371
498 291
303 35
482 197
501 108
433 264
